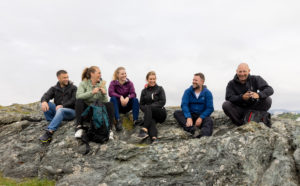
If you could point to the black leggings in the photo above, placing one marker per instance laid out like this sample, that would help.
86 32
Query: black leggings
80 106
152 115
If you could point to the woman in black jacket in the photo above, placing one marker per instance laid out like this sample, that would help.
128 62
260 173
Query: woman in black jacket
152 103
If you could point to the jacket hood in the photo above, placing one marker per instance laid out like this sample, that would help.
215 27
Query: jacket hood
116 82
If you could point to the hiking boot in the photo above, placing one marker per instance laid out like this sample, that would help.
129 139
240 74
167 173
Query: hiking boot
154 141
137 123
46 137
197 133
78 131
143 134
119 125
111 135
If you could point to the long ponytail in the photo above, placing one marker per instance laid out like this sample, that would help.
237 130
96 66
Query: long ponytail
86 74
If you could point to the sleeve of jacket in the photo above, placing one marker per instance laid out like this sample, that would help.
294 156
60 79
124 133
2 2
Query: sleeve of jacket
162 99
104 96
48 95
111 90
231 95
132 93
264 89
71 101
82 93
209 105
185 105
142 98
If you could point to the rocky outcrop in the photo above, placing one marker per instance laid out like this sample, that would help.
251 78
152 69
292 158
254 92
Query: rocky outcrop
252 154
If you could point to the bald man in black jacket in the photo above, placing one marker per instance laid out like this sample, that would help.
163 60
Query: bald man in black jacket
246 92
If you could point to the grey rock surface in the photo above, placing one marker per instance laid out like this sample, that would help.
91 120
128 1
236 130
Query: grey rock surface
252 154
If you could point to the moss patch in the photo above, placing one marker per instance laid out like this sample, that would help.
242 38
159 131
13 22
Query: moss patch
127 123
26 182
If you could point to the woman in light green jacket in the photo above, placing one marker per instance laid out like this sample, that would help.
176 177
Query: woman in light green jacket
91 89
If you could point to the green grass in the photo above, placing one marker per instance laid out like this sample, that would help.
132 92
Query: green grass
25 182
289 116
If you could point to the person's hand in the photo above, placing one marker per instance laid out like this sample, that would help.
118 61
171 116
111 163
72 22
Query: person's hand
247 95
58 107
95 90
198 122
102 90
45 106
122 100
126 100
254 95
189 122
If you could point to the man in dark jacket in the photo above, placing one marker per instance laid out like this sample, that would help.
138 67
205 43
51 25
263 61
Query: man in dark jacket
64 94
246 92
197 106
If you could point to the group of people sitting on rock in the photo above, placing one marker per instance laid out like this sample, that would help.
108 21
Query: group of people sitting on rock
243 93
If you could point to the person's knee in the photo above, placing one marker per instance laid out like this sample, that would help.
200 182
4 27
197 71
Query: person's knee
226 106
177 113
113 99
269 101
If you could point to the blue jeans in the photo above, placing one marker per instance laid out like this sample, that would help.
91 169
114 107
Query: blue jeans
57 116
133 104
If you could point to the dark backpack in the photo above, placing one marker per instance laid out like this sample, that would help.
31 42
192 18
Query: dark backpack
98 131
258 116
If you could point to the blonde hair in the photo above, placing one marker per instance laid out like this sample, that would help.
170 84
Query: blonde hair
150 74
86 74
115 76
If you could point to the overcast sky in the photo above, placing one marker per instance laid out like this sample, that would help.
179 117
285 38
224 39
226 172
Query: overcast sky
174 38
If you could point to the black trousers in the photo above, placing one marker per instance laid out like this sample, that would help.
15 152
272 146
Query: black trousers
80 106
153 115
237 113
206 126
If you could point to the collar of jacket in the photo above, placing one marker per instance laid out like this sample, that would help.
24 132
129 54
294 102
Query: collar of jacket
57 86
148 87
191 89
117 82
236 79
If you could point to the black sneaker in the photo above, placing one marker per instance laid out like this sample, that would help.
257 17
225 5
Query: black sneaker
154 141
143 134
119 125
46 137
137 123
197 133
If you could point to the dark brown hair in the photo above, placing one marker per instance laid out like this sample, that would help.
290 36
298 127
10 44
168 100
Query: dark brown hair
201 75
61 72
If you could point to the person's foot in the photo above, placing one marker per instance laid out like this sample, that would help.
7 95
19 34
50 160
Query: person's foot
154 141
197 133
143 134
78 131
46 137
137 123
119 126
111 135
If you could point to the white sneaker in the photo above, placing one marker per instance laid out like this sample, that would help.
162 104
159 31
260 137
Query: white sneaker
78 133
111 135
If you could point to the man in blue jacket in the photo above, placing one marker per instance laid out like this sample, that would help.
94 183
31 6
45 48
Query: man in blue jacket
197 106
